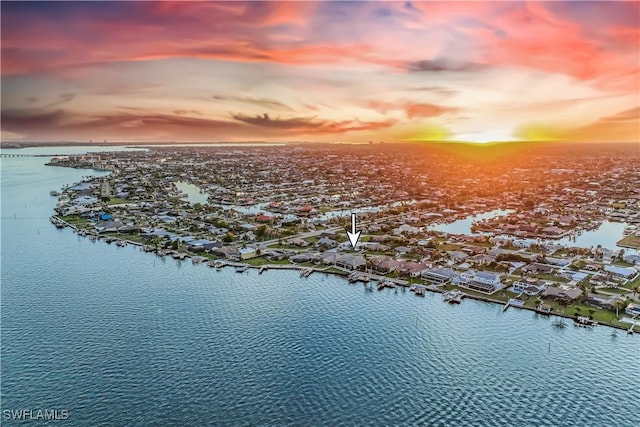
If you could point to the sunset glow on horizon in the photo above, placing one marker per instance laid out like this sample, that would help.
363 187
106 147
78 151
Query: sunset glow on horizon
321 71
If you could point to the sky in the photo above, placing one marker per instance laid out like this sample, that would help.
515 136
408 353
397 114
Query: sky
320 71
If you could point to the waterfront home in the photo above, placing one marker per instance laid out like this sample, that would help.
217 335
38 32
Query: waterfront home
75 210
633 309
529 286
276 254
384 264
411 269
350 261
603 301
567 294
482 281
227 251
300 258
487 277
439 276
247 253
198 245
329 257
108 226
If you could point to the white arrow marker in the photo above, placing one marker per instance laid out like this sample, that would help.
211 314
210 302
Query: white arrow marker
353 236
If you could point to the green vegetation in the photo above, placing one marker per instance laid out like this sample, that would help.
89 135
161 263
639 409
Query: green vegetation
282 246
229 237
599 314
623 264
630 241
129 237
256 262
621 291
551 277
74 220
634 283
117 201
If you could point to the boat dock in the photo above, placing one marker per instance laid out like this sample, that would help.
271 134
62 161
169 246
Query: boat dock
453 297
516 302
358 277
418 290
585 322
306 272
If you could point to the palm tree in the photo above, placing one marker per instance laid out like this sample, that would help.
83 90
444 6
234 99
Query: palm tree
619 304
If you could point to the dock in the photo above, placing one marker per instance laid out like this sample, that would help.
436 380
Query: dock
418 290
358 277
386 284
306 272
585 322
453 297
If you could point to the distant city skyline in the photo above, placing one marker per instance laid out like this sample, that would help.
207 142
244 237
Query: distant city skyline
320 71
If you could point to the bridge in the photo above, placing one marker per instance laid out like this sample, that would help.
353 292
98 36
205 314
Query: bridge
7 155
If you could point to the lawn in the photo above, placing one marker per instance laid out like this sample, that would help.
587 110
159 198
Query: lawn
117 201
630 241
623 264
256 262
74 220
635 282
621 291
600 314
130 237
551 277
278 246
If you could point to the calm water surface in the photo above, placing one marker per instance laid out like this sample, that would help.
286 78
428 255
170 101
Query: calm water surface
120 337
463 226
606 235
192 193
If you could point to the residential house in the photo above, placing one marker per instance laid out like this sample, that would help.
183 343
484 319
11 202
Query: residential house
603 301
385 264
482 281
350 261
439 276
247 253
227 251
529 286
326 242
623 272
108 226
537 268
633 309
411 269
567 294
